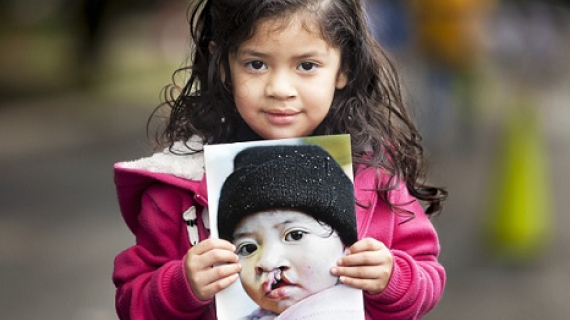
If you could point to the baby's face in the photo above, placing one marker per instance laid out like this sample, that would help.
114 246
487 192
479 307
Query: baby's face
286 256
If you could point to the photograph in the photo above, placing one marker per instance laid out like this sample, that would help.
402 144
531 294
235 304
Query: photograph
288 207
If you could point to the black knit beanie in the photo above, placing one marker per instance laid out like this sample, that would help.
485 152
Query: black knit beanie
300 177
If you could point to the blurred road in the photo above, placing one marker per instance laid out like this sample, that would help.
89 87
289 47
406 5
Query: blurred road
59 224
60 227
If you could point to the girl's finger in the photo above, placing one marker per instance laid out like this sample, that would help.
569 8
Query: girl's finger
216 274
367 258
213 288
366 244
210 258
218 256
363 272
211 244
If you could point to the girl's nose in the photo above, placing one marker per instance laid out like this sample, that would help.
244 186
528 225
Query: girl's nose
280 85
273 257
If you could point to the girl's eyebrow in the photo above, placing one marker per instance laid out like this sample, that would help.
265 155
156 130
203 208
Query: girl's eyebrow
251 52
312 54
304 55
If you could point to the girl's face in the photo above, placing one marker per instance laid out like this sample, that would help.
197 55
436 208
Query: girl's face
286 256
284 78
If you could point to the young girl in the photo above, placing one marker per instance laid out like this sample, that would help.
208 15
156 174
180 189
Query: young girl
269 69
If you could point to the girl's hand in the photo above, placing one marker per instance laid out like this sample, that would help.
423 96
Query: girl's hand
211 266
367 266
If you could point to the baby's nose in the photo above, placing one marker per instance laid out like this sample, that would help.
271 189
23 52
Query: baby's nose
274 258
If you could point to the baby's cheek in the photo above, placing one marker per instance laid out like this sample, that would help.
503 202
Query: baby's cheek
247 274
320 276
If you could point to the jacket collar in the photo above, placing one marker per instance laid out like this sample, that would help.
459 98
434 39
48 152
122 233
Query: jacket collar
183 160
181 166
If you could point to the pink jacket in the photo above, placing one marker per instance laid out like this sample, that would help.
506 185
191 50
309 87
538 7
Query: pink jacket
153 194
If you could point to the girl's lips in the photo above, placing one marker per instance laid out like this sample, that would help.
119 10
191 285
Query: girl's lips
281 117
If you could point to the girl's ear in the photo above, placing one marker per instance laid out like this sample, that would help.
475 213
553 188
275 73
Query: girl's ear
341 80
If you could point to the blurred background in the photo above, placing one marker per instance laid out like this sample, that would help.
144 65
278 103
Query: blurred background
488 82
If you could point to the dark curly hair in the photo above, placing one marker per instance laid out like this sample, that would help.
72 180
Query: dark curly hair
370 108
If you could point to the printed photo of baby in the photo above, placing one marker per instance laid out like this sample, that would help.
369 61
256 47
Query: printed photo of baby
290 212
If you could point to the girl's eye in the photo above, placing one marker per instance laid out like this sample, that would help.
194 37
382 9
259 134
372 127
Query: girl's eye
246 249
307 66
256 65
294 235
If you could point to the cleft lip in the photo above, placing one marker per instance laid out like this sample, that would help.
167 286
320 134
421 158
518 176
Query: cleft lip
268 283
275 279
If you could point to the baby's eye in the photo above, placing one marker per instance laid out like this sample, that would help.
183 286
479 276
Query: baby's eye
246 249
307 66
295 235
256 65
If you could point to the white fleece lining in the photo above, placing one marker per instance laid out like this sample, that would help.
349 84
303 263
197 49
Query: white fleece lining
190 166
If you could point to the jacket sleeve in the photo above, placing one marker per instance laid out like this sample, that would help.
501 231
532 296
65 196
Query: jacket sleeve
150 276
418 279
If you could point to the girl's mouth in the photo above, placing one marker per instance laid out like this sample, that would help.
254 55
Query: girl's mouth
281 118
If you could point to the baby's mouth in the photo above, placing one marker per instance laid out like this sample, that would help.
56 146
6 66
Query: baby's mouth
274 281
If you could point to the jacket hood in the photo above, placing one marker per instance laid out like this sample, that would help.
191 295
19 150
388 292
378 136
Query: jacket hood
179 166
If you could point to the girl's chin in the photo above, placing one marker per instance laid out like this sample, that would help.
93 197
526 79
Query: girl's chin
276 135
273 132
